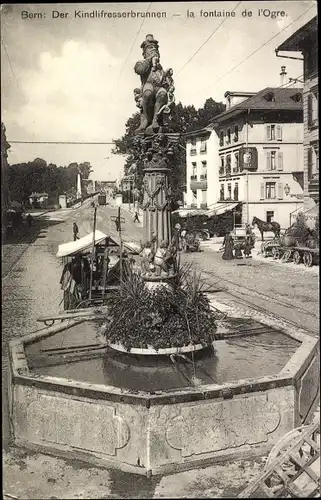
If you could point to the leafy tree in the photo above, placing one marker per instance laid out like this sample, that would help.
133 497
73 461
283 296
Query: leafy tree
38 176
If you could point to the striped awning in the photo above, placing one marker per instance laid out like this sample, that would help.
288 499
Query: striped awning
221 208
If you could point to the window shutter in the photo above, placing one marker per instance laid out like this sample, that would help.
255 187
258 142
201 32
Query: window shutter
280 190
268 160
279 132
280 160
268 132
310 108
310 163
262 191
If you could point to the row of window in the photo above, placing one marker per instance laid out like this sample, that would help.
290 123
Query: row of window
203 171
228 138
272 132
268 191
228 195
203 148
274 161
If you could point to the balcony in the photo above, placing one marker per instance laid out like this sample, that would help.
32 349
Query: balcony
203 176
193 177
203 205
201 184
193 152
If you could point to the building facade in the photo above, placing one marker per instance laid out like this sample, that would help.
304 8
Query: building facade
305 40
254 156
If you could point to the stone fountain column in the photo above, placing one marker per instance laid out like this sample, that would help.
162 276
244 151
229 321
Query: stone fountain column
156 202
155 98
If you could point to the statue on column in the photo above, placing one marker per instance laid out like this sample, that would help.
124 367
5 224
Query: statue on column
156 95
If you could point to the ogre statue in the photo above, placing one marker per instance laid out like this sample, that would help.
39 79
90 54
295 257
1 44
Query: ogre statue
157 88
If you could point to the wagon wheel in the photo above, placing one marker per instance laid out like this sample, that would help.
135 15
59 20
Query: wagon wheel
296 257
286 256
275 253
307 259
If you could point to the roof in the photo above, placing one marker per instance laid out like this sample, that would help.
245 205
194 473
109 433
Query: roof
85 243
199 132
235 92
296 41
282 102
80 245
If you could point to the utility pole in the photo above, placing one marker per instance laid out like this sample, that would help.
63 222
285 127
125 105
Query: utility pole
247 171
121 248
92 254
120 220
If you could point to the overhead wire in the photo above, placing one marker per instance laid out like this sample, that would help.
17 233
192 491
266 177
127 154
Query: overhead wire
132 46
208 38
12 70
259 48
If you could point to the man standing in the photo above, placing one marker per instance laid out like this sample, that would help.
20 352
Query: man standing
75 231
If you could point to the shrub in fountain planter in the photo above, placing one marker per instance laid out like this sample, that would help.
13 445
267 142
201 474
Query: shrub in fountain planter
164 317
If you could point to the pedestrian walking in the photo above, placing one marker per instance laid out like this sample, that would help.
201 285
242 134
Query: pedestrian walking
136 217
75 231
29 219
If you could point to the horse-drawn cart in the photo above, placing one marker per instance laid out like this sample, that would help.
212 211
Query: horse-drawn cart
299 252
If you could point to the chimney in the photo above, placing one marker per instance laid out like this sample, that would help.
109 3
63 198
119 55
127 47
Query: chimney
283 76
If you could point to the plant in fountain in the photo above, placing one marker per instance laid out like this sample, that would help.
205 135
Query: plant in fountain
162 317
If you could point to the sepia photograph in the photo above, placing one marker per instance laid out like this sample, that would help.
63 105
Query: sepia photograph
160 250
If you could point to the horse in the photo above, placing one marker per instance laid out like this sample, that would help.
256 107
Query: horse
267 226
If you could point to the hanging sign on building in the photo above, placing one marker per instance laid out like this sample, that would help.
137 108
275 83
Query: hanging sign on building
248 158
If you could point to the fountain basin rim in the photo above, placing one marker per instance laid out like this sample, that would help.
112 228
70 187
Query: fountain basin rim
150 351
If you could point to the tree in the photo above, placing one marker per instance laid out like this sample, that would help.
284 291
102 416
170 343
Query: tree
182 119
38 176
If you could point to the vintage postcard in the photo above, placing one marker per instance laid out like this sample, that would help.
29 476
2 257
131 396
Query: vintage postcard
160 249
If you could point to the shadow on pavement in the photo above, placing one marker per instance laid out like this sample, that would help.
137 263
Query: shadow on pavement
28 234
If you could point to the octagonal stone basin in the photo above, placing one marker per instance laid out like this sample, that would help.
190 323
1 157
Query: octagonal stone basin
149 416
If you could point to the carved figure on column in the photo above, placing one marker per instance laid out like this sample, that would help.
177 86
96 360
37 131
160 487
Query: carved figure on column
157 88
159 259
147 258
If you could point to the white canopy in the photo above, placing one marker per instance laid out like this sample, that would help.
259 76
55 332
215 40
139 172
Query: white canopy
220 208
80 245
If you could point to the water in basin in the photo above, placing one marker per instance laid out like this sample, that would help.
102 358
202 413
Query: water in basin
231 359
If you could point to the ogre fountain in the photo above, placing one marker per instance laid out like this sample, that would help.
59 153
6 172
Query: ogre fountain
137 406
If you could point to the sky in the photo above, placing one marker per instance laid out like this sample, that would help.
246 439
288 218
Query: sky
69 78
